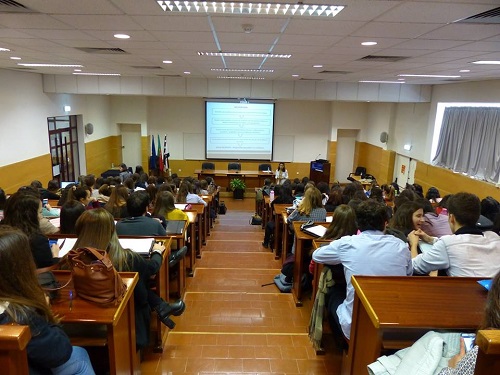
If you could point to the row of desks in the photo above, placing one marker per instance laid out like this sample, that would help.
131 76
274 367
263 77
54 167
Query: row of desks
388 312
119 320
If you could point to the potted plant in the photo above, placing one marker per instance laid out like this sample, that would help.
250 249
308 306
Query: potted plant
238 186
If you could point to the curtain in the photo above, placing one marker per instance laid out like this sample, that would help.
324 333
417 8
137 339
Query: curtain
469 142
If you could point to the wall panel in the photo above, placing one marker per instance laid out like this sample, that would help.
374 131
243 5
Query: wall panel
13 176
102 153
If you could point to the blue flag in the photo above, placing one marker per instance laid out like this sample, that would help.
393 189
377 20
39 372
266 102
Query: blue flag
153 159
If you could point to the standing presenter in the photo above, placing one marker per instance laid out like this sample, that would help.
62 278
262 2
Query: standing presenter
281 174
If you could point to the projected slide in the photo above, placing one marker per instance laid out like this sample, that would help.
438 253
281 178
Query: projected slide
239 130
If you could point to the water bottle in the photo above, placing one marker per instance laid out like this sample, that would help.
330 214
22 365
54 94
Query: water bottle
271 195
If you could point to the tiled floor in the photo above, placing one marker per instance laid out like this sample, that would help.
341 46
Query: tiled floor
233 324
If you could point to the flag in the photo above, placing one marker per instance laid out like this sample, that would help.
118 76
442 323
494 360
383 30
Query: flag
152 158
160 156
166 155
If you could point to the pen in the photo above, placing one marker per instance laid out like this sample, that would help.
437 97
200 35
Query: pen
70 300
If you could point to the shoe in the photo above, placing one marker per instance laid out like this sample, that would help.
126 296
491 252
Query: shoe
266 245
176 256
165 309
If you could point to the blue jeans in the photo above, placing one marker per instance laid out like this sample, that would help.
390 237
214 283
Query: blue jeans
77 364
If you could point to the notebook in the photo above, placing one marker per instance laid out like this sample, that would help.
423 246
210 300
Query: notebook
316 230
175 226
138 245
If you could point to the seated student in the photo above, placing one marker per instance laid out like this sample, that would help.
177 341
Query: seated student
433 196
83 195
309 208
185 195
104 193
203 187
23 211
467 252
408 217
371 253
96 228
138 223
50 192
389 194
23 302
124 172
117 202
165 207
70 212
464 363
283 195
434 225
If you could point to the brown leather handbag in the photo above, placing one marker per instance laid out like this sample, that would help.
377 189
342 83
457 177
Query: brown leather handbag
94 277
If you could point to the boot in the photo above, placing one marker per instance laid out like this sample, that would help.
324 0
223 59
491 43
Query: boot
164 310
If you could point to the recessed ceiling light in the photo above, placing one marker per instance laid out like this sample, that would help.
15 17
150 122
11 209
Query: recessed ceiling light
52 65
401 79
464 71
4 50
382 82
242 8
238 77
15 58
295 75
242 70
77 70
487 62
317 66
427 75
122 36
369 43
96 74
187 72
167 61
241 54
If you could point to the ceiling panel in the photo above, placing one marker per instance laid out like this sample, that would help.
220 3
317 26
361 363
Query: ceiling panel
421 30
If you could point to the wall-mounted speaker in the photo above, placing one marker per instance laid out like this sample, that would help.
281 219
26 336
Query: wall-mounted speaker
384 137
89 129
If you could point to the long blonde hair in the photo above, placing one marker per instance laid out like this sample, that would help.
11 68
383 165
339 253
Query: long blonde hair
312 199
96 228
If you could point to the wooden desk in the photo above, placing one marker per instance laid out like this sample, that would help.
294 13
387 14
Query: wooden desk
488 357
13 355
384 306
251 178
298 269
199 209
191 259
119 321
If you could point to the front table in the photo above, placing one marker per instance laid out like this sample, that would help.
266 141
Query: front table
405 305
119 321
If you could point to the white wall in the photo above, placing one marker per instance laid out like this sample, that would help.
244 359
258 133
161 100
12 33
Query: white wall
25 109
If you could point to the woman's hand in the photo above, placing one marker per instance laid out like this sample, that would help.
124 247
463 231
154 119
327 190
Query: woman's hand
55 250
455 359
424 236
48 207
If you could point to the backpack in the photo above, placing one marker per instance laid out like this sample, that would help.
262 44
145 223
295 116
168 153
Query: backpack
222 208
284 281
259 196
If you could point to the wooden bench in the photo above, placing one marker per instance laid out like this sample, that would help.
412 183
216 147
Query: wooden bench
13 355
488 357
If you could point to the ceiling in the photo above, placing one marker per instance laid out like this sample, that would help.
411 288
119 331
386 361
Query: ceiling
424 34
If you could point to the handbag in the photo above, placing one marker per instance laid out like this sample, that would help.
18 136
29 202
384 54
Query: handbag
256 220
94 277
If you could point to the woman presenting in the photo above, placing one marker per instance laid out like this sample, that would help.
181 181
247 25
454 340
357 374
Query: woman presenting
281 174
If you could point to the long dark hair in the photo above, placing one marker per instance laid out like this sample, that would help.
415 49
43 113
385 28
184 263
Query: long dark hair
70 212
165 203
492 310
403 218
21 212
343 223
18 282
